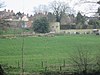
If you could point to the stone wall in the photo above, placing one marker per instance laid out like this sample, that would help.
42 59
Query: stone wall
77 31
55 27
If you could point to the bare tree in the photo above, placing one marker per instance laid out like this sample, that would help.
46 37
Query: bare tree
98 62
1 70
4 25
41 9
59 8
81 61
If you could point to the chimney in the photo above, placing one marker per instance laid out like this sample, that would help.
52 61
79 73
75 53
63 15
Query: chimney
46 13
8 10
27 15
30 15
11 11
4 10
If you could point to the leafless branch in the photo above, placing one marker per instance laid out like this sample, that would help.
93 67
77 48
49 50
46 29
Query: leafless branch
59 8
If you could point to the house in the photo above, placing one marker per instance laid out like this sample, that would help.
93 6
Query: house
7 14
21 20
15 20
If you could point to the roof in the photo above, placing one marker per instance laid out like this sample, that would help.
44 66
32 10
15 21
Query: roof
25 18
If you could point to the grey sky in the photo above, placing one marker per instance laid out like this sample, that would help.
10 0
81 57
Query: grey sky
27 5
23 5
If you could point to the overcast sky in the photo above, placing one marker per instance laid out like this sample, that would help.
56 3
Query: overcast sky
27 5
24 5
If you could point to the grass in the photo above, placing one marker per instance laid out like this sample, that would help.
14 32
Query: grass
14 31
50 50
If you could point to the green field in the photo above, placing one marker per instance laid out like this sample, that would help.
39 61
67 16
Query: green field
50 50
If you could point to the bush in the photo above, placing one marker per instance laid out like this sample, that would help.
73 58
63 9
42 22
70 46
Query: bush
1 70
41 25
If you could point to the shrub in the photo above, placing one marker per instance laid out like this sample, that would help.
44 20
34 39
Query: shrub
41 25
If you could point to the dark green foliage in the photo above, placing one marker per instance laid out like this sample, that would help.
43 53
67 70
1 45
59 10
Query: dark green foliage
41 25
94 23
80 19
81 22
98 11
19 14
1 71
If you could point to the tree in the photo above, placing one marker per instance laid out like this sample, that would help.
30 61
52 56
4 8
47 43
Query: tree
80 18
41 9
94 23
2 71
80 21
81 61
19 15
41 25
3 26
58 8
98 63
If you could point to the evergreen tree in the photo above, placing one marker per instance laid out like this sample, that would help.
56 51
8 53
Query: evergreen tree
41 25
80 18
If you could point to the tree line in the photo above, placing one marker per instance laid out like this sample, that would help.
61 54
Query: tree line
61 9
59 12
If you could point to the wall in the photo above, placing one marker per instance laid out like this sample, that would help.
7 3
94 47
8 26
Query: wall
76 31
55 27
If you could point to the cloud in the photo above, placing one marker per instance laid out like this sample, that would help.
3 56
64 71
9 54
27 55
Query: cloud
27 5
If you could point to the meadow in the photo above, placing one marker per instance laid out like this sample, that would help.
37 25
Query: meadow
44 51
